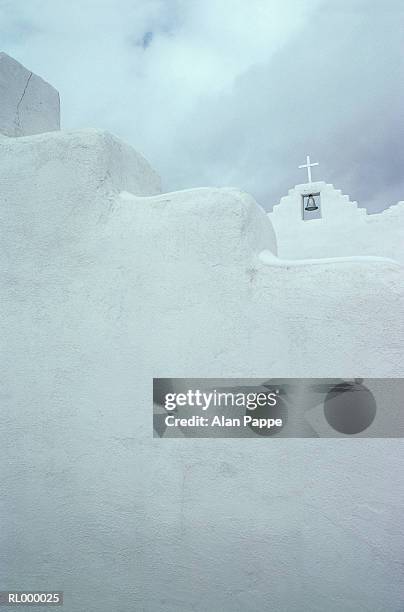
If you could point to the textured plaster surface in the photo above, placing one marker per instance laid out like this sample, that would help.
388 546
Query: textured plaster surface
102 290
29 105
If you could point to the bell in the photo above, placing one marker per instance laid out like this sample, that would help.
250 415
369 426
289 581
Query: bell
311 204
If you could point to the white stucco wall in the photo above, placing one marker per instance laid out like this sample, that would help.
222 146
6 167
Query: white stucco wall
101 291
58 169
29 105
344 229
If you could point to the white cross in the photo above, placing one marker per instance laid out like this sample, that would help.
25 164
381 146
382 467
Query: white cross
308 165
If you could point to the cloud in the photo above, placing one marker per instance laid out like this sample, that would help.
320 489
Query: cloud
228 92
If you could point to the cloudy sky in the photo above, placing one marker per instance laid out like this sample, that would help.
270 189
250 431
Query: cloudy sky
231 92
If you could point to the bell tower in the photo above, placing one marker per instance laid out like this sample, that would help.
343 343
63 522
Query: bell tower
311 200
317 220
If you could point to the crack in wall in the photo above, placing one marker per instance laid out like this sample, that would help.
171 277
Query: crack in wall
17 120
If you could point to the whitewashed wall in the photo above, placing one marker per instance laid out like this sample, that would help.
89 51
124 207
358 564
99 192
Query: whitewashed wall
28 105
103 290
344 229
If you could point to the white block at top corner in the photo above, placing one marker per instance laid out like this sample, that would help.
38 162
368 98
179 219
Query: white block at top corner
28 104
